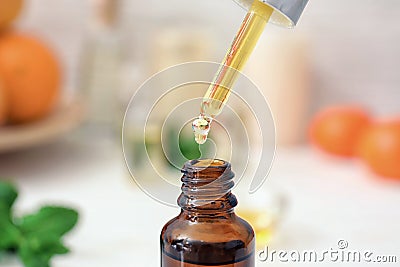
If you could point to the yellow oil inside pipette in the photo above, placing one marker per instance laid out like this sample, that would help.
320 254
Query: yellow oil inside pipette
234 61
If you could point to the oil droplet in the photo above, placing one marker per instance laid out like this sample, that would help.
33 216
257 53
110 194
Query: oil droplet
201 127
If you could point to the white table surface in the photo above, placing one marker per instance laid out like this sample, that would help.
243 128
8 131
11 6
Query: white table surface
329 199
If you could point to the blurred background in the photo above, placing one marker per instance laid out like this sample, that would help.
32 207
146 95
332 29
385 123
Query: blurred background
79 62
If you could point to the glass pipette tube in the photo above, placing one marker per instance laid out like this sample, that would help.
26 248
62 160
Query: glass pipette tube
242 46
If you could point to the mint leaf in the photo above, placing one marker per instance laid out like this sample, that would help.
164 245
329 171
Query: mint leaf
37 250
42 233
36 237
9 233
54 221
31 259
49 244
8 195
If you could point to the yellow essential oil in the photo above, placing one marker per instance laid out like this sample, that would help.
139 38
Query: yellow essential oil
234 61
263 224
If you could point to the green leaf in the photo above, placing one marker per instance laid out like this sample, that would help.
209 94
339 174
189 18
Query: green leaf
8 195
53 221
36 237
9 235
37 250
32 260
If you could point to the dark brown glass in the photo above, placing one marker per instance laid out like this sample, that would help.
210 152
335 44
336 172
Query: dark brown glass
207 232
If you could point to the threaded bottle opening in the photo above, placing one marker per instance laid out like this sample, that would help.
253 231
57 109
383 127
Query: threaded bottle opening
207 169
206 185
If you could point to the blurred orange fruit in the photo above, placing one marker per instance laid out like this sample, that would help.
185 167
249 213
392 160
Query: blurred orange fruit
31 77
3 103
337 130
9 10
379 147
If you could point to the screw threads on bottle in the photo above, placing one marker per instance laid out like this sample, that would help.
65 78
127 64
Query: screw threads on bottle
207 186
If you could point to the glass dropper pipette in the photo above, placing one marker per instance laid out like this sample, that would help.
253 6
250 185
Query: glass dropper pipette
243 45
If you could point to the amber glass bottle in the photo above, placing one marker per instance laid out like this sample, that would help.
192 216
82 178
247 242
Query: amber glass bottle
207 232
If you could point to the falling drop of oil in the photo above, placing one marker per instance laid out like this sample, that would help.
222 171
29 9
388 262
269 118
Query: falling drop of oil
201 127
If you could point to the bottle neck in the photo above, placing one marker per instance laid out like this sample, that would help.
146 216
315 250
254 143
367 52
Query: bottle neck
206 187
